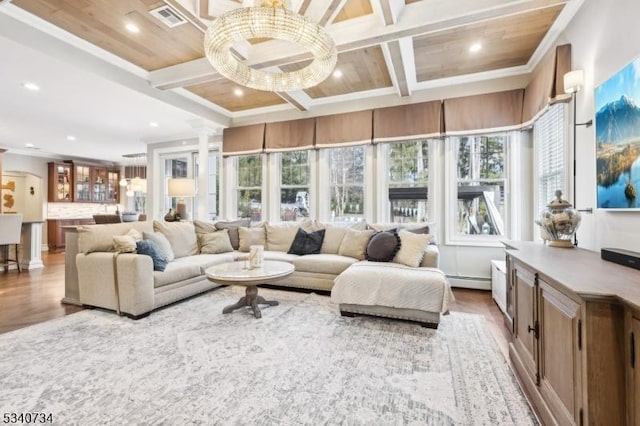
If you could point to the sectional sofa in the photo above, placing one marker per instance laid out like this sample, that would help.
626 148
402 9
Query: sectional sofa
128 284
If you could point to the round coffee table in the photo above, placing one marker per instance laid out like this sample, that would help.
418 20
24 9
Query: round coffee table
235 273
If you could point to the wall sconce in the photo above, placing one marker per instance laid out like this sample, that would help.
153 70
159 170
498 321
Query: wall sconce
573 82
181 187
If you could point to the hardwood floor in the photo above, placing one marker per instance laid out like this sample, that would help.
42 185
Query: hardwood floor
34 296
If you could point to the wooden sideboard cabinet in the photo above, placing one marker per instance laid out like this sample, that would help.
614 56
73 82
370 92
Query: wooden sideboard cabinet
632 334
56 233
568 348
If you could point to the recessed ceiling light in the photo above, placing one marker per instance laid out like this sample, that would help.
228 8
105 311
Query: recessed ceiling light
29 145
132 28
153 124
31 86
71 138
238 92
475 47
337 73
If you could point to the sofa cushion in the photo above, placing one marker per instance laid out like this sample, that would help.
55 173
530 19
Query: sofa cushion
280 235
181 235
93 238
383 246
307 242
334 233
279 255
204 261
250 237
233 227
175 272
354 243
162 242
151 249
215 242
412 248
124 244
323 263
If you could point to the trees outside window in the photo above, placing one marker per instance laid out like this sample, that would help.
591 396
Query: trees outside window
249 187
346 174
481 179
408 179
294 185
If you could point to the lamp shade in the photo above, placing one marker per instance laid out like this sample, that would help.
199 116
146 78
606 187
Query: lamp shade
182 187
573 81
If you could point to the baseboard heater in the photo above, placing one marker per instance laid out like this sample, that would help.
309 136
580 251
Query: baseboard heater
480 283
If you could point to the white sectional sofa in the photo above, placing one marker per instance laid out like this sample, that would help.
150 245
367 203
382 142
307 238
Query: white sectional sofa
128 284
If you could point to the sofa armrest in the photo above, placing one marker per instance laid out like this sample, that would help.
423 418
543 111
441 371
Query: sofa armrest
97 282
431 257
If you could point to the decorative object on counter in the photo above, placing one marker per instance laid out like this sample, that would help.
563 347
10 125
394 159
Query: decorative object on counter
130 216
170 216
559 222
181 187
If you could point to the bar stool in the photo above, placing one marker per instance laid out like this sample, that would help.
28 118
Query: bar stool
10 227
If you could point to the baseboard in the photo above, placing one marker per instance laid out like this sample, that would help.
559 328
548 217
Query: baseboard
44 247
475 283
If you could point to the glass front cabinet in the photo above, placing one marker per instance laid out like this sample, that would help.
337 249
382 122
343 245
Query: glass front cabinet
60 182
83 183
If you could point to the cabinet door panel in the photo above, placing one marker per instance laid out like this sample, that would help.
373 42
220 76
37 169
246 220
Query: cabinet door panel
560 361
634 374
524 321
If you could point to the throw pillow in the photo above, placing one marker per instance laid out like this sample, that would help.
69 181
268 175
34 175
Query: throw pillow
124 244
215 242
354 243
233 226
383 246
135 234
280 235
250 237
307 242
162 242
151 249
181 235
412 249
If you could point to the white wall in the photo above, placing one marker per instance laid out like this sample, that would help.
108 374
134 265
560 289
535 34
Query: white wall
604 38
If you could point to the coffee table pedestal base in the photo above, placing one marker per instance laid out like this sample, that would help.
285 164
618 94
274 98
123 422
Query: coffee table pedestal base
252 299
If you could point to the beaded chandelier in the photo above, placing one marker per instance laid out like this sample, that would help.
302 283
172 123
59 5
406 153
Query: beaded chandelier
270 19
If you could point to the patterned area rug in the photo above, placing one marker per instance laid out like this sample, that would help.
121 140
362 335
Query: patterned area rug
301 364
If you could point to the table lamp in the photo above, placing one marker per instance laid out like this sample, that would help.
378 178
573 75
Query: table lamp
182 187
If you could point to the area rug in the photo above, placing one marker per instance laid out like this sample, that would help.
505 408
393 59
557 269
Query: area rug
301 364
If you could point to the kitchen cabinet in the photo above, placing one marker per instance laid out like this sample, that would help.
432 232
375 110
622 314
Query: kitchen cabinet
56 232
84 183
60 182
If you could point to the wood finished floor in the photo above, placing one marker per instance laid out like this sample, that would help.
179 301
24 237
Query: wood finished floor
30 297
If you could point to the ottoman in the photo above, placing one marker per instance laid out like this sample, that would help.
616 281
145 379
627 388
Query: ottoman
393 290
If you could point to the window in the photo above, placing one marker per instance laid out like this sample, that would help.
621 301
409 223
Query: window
294 185
346 183
549 136
408 179
249 188
213 184
480 174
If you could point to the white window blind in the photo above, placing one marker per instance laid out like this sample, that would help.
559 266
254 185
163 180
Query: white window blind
550 142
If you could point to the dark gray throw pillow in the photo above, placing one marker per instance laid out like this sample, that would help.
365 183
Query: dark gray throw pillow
307 242
383 246
149 248
233 227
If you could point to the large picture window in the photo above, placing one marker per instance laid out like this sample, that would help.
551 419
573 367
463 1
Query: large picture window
346 182
408 180
249 187
294 185
481 180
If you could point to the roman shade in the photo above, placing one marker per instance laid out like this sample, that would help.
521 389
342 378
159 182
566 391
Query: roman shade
481 113
547 83
290 135
404 122
339 130
243 140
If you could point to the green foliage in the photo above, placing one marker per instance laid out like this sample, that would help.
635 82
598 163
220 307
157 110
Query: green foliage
409 164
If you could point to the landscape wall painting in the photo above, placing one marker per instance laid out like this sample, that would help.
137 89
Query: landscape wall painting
618 139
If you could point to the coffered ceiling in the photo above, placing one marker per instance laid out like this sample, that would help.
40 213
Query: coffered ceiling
390 51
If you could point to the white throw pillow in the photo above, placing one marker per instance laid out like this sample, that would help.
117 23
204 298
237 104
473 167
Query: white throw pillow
354 243
251 236
124 244
181 235
281 235
215 242
412 248
334 233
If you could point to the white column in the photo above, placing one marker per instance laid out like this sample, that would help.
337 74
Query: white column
31 246
205 131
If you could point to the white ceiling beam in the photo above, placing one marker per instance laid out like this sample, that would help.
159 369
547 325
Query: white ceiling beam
189 16
398 55
417 19
295 100
390 9
334 7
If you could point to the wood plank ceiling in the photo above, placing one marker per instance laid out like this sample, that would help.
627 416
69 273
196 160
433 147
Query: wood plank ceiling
371 46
